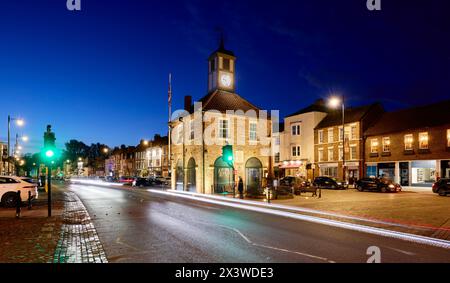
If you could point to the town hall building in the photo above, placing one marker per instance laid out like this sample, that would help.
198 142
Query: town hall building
221 117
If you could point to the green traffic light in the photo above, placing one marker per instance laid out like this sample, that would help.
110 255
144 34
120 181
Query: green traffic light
230 158
49 153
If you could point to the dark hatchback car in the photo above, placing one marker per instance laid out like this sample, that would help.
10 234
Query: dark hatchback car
442 187
377 184
329 183
142 182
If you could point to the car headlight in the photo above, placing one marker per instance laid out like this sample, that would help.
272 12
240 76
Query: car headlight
391 186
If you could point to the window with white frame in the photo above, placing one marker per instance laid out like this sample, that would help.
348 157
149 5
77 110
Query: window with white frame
423 140
374 146
353 152
409 142
320 136
330 154
353 134
386 144
296 151
330 135
347 133
448 138
320 154
223 129
296 129
277 140
341 153
341 133
252 131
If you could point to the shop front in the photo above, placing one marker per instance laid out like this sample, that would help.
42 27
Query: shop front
328 169
423 173
445 168
386 170
294 168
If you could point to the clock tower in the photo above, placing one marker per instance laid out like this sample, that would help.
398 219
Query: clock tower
221 70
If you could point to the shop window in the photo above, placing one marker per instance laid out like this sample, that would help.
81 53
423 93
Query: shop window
423 140
409 142
329 171
386 144
371 171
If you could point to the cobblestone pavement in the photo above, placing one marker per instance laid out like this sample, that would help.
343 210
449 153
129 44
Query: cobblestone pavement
79 242
33 237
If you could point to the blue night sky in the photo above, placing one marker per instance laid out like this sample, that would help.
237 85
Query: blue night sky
100 75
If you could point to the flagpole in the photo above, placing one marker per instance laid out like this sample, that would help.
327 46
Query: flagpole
170 128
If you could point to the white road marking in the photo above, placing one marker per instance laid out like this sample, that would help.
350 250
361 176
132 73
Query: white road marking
265 246
334 223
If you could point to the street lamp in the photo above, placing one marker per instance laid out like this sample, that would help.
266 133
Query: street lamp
20 122
335 102
105 150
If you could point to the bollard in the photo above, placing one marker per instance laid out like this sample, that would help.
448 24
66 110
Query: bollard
29 200
320 192
18 204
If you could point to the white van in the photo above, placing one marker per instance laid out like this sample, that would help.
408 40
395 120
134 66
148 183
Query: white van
9 185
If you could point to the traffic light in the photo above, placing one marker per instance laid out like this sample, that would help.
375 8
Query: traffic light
49 152
227 153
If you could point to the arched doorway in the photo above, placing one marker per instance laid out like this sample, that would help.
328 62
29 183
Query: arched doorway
253 176
223 177
179 176
190 175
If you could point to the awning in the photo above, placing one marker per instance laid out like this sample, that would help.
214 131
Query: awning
292 164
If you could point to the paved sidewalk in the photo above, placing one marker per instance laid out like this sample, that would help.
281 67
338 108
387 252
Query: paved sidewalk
79 242
33 237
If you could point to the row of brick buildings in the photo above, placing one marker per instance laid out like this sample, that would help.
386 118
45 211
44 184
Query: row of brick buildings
147 159
410 146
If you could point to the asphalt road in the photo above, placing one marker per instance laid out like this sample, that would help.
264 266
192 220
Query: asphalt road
135 225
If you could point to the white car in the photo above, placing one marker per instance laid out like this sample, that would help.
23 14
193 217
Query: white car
9 185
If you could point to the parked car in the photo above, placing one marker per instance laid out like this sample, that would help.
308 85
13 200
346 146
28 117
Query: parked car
165 181
142 182
9 185
126 180
298 184
377 184
324 182
442 187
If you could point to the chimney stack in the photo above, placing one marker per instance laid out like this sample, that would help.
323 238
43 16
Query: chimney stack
187 103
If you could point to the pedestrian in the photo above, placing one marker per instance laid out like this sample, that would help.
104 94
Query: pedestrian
241 188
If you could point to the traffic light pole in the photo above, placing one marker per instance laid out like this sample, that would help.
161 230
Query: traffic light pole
49 198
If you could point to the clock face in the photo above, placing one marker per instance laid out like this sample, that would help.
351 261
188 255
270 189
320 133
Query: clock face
225 80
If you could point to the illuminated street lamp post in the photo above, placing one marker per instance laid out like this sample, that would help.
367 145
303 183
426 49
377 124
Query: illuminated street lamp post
20 123
335 102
